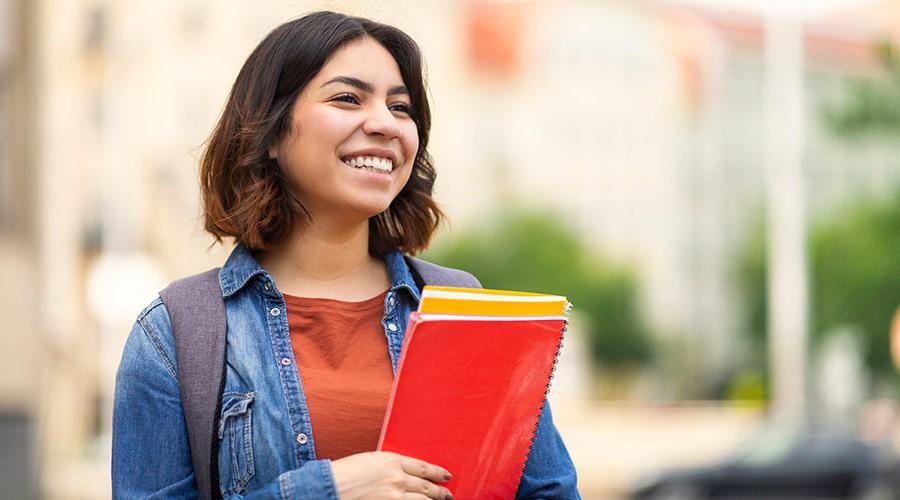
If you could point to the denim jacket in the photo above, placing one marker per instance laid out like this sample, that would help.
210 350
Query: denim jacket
267 446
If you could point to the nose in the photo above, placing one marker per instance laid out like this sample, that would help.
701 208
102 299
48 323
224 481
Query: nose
380 121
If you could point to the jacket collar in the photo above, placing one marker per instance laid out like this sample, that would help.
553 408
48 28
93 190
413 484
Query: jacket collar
238 270
401 276
241 267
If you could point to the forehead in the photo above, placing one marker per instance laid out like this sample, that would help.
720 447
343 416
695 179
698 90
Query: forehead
365 59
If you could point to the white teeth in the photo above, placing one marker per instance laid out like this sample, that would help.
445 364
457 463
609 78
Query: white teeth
380 164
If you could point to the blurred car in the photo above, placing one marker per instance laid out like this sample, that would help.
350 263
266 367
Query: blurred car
786 465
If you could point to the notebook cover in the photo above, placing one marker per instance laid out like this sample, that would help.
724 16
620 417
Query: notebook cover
485 291
447 300
468 395
492 307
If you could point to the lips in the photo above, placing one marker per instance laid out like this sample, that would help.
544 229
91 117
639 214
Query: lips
383 153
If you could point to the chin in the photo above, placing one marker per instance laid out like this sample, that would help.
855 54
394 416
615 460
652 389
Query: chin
365 204
371 210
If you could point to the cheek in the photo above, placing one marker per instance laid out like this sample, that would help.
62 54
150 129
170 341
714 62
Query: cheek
309 148
410 142
329 126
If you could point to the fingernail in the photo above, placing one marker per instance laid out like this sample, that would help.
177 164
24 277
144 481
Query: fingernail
449 496
447 476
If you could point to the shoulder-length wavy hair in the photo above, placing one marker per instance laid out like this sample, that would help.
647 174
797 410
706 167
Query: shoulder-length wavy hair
244 193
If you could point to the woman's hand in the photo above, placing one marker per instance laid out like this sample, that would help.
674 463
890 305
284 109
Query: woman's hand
381 474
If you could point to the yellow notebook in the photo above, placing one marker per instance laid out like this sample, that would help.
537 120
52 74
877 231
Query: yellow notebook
482 302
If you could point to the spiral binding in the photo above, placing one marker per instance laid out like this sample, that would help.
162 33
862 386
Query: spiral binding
562 333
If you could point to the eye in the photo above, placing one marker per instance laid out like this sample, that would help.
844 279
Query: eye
400 107
348 98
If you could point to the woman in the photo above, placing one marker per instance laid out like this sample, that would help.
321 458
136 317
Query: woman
318 169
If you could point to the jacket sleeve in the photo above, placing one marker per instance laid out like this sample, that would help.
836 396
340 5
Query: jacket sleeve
150 453
549 472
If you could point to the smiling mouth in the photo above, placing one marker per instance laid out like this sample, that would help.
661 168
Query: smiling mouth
370 163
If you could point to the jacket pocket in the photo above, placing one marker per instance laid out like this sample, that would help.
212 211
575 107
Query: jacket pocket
236 446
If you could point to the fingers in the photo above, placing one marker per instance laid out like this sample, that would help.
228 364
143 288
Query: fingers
421 479
427 489
386 474
424 470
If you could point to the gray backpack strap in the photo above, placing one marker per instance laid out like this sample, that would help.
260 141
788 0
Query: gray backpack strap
197 311
426 273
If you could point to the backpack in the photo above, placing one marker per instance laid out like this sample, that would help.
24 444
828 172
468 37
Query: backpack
197 312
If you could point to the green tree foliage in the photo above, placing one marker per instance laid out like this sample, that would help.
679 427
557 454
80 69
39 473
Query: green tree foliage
753 282
855 278
534 252
873 105
856 268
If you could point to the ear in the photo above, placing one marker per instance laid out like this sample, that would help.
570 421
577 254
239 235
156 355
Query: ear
273 152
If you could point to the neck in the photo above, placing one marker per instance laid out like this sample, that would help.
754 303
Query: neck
327 260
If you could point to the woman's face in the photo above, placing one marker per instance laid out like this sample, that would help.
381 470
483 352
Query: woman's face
352 141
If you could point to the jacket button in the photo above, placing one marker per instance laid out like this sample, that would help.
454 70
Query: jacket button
275 311
392 327
301 438
285 361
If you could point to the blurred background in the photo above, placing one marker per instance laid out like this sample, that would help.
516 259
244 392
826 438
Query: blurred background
715 185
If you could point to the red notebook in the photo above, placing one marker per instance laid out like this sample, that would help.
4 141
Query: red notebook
468 395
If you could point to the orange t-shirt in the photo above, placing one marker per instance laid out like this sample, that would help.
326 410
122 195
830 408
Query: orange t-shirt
345 368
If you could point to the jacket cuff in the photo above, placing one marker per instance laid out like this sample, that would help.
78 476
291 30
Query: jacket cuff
313 480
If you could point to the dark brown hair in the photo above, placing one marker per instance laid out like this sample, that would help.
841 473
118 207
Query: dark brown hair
244 193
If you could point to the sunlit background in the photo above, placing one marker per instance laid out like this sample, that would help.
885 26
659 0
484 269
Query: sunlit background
715 186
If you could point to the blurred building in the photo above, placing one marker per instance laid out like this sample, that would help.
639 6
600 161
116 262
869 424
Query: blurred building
643 124
19 314
640 123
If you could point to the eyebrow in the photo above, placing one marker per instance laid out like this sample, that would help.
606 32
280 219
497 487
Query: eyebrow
365 86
